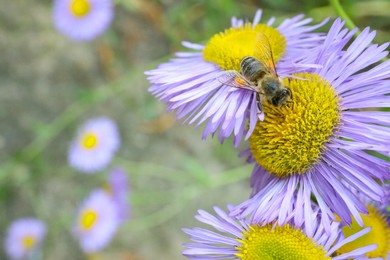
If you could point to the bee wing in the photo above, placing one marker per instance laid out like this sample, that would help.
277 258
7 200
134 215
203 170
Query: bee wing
263 52
234 79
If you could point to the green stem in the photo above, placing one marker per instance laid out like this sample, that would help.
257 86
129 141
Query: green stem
341 12
348 21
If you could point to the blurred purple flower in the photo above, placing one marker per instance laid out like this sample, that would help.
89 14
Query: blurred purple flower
241 239
342 159
119 191
96 142
189 83
96 221
83 20
24 237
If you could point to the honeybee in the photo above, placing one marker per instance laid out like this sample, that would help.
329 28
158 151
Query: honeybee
259 74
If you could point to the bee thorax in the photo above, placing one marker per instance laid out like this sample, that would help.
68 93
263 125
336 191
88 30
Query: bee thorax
270 85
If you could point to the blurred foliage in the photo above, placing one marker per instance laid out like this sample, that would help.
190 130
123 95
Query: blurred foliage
50 85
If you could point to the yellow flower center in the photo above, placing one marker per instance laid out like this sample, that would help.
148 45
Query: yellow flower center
80 8
284 243
89 141
379 234
291 138
228 48
28 242
88 219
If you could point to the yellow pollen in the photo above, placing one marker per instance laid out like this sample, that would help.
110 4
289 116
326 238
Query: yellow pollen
28 242
285 242
291 138
80 8
89 140
379 234
88 219
240 82
228 48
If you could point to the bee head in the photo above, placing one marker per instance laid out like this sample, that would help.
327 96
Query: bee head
282 97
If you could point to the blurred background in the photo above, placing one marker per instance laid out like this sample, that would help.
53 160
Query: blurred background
50 85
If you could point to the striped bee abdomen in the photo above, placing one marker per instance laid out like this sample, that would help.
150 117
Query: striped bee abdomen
251 68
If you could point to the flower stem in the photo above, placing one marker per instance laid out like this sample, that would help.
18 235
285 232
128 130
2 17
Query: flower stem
341 12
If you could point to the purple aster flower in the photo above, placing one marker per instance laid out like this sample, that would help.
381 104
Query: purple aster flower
190 83
96 221
83 20
242 239
24 237
119 191
326 139
376 219
96 142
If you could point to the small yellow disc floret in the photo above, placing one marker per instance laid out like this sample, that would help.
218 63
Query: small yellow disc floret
28 242
80 8
89 141
88 219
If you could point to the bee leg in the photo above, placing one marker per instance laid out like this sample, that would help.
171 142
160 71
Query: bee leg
290 102
259 107
259 104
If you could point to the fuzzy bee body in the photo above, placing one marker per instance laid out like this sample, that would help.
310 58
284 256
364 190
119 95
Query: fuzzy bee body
258 74
269 85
